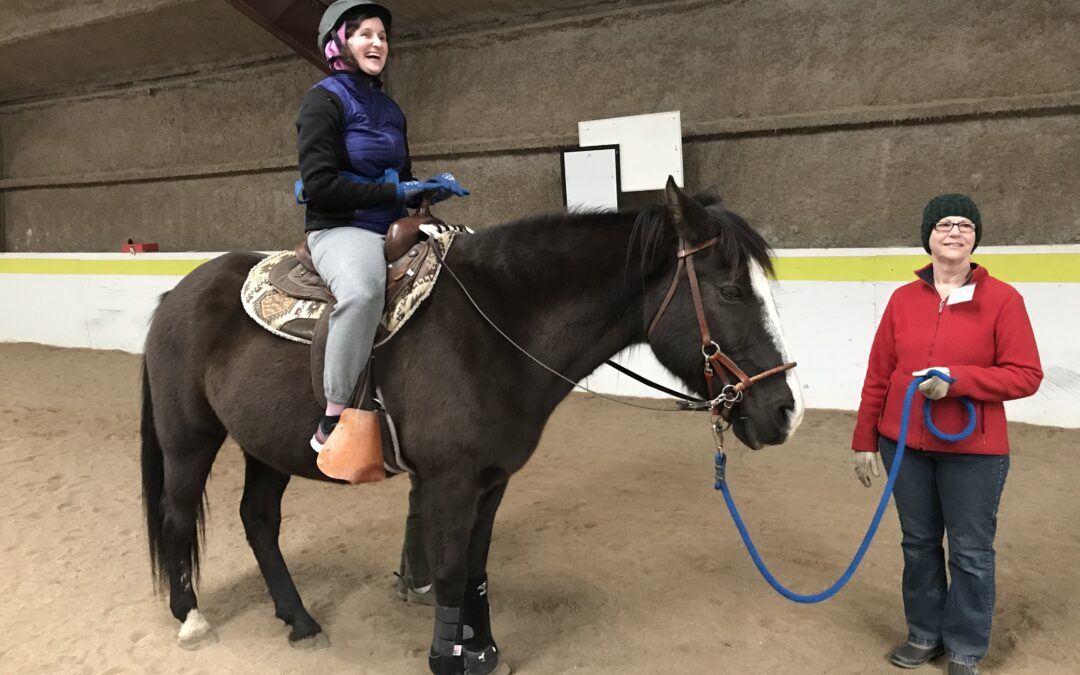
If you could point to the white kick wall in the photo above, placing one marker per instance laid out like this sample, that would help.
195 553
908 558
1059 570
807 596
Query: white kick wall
830 301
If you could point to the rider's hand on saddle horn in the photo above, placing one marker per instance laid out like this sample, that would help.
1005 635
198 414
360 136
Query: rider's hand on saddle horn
933 388
446 186
865 462
410 190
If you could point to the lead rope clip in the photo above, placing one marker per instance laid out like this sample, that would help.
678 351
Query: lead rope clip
720 458
721 469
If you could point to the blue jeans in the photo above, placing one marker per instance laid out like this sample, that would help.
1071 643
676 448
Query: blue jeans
940 493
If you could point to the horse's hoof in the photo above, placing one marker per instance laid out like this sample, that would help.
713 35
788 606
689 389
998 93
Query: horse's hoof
311 643
502 669
489 661
196 633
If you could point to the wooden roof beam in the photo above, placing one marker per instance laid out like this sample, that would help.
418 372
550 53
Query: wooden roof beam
294 22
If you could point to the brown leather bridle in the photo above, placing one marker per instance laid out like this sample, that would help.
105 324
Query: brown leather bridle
716 361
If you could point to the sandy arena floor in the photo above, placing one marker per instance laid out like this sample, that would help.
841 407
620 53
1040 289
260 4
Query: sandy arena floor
612 552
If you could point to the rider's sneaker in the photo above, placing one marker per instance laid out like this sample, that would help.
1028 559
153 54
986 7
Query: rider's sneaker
911 655
322 432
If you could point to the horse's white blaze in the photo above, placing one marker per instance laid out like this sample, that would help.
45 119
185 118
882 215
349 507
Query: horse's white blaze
771 318
194 630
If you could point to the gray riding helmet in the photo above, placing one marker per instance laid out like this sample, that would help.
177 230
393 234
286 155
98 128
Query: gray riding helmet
335 14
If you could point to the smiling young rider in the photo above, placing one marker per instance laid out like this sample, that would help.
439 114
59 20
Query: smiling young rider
357 179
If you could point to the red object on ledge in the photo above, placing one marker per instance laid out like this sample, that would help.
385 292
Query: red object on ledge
132 247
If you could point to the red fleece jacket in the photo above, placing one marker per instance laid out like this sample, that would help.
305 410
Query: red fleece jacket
986 343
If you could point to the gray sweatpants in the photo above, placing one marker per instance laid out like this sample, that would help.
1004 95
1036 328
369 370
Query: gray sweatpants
351 262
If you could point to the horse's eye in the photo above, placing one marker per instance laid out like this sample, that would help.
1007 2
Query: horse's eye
732 293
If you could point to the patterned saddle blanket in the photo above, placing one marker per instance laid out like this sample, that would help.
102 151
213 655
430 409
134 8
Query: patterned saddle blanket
287 298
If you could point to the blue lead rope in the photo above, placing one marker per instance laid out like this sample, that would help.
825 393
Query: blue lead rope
721 484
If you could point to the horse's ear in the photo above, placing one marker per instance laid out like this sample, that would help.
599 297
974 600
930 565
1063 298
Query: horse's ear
690 218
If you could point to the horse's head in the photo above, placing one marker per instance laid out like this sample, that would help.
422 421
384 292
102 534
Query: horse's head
731 263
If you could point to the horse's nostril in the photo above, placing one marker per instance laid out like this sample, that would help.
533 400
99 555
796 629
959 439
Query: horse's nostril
786 410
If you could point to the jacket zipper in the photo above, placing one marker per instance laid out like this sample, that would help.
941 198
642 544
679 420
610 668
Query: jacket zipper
933 344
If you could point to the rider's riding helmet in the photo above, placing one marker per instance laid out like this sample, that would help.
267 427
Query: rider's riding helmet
335 14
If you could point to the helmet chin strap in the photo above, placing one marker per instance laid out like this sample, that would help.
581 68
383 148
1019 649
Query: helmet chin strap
334 48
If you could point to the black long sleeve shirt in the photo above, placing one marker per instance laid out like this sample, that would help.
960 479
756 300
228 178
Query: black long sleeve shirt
320 142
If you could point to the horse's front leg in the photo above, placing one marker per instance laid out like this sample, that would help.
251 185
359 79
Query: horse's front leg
448 503
482 656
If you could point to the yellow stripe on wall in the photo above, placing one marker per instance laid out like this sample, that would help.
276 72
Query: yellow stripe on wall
1019 267
1013 268
135 266
847 268
1046 267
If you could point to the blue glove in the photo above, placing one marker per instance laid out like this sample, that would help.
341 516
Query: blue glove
446 186
442 187
410 190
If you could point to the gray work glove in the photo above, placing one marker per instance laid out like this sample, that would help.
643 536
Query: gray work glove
933 388
865 462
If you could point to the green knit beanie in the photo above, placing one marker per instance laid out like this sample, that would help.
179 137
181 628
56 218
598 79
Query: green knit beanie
944 206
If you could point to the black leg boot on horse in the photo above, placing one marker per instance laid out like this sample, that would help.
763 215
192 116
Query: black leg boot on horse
414 585
458 524
448 509
482 655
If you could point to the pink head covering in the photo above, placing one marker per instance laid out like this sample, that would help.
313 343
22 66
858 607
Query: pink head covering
333 48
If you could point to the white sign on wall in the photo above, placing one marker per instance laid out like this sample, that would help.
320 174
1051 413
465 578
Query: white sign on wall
650 147
591 178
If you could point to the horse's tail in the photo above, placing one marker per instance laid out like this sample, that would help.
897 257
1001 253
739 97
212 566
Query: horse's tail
153 490
153 482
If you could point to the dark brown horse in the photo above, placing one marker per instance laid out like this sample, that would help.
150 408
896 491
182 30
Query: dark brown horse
572 289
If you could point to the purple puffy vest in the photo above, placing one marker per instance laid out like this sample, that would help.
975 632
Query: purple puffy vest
374 129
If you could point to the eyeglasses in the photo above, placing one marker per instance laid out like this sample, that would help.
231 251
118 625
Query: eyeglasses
945 226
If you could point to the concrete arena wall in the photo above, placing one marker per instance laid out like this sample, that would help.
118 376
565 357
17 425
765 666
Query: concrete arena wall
826 123
830 302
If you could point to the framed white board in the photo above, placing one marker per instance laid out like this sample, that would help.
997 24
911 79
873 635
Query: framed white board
650 147
591 178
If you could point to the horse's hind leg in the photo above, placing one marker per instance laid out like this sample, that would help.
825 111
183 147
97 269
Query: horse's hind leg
260 510
182 510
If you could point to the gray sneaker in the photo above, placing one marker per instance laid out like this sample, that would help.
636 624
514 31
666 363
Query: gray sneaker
909 655
962 669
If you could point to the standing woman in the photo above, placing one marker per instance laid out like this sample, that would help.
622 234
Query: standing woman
357 179
957 319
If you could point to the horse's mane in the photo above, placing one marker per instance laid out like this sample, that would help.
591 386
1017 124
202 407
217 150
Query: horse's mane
737 242
652 235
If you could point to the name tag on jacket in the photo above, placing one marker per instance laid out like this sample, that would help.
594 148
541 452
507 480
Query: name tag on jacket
962 294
